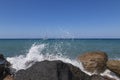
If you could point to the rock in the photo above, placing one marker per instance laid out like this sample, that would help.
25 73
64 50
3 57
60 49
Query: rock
78 73
51 70
114 66
2 60
8 77
4 67
99 77
108 78
94 61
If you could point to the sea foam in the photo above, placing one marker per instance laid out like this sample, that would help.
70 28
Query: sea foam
35 54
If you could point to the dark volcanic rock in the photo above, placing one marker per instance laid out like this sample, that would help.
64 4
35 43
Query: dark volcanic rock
4 67
51 70
2 60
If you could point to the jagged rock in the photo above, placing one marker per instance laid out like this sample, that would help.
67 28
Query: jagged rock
94 61
2 60
4 64
51 70
114 66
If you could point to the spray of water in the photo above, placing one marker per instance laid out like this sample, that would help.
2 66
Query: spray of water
35 54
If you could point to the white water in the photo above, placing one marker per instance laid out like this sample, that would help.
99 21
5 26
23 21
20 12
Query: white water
35 54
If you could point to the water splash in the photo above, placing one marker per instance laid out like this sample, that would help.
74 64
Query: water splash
35 54
19 62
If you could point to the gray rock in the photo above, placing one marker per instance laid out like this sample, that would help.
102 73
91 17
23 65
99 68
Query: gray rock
51 70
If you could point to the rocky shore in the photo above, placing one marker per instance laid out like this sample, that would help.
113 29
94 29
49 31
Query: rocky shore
93 62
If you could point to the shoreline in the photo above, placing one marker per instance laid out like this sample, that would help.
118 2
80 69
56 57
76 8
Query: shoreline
92 76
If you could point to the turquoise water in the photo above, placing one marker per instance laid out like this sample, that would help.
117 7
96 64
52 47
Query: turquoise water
20 52
68 47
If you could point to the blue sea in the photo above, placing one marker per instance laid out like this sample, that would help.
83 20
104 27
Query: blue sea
68 47
23 53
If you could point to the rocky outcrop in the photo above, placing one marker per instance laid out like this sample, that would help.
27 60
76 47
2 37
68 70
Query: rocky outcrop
58 70
55 70
114 66
2 60
4 67
94 61
51 70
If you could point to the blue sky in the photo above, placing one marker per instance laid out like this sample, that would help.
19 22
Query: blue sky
60 18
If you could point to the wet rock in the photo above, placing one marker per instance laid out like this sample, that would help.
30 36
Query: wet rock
51 70
2 61
4 67
78 73
114 66
94 61
99 77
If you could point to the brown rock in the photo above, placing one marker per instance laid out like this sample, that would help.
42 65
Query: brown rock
114 66
8 77
94 61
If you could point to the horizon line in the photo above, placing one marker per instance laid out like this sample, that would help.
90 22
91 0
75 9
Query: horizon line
56 38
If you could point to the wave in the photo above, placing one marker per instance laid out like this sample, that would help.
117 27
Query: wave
35 54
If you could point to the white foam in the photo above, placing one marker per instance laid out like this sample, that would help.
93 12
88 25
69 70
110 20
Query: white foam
19 62
110 74
35 54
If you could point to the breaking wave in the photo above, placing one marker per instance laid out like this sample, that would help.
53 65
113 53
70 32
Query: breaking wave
35 54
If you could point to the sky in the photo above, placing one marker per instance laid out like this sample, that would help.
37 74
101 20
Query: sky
60 18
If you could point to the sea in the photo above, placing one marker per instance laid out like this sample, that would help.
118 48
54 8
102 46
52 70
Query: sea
22 51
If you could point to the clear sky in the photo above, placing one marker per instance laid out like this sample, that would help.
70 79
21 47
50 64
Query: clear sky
60 18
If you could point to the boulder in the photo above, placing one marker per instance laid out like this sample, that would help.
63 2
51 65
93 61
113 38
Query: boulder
51 70
99 77
94 62
114 66
9 77
2 60
4 67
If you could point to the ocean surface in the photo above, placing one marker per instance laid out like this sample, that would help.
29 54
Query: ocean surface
68 47
22 53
